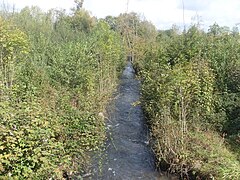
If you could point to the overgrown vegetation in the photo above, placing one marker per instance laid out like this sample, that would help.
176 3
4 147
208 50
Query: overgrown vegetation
57 73
191 90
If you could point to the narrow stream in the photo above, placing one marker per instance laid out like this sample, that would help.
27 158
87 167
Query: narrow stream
127 154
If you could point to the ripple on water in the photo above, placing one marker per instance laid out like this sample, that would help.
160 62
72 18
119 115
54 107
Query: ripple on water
127 155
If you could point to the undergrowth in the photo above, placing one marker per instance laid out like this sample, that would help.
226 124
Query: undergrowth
190 98
56 77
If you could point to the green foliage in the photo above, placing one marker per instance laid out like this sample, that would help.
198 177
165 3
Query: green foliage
55 80
13 48
57 72
29 139
137 33
190 88
82 21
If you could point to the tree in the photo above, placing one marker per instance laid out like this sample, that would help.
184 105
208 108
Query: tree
214 29
137 32
13 47
79 4
235 31
112 22
82 21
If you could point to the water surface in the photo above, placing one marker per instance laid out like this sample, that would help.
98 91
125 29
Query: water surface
128 154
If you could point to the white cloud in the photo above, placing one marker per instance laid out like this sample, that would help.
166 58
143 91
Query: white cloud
102 8
194 5
163 13
224 12
159 12
43 4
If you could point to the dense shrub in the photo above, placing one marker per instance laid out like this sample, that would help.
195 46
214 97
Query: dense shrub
55 80
190 96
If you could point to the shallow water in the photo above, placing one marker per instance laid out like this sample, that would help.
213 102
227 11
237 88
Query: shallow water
127 154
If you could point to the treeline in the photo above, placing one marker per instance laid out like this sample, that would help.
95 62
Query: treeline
191 97
57 72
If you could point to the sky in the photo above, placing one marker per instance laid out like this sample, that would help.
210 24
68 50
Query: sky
162 13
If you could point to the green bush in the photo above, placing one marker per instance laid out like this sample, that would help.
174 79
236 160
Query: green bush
52 91
190 96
